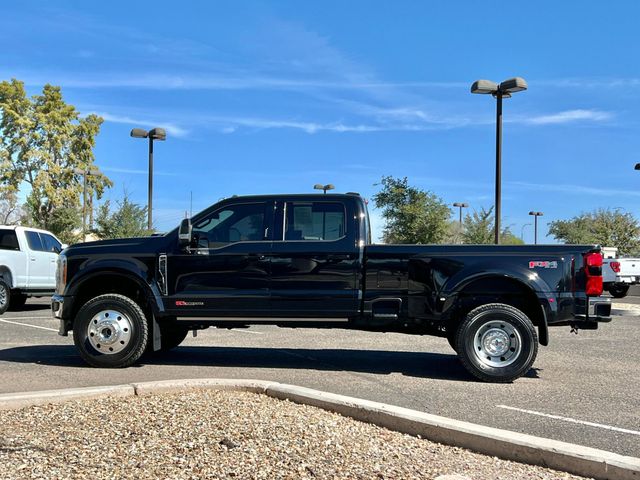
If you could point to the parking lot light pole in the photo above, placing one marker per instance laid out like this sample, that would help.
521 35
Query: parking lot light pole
85 172
153 134
535 228
460 206
324 188
503 90
522 230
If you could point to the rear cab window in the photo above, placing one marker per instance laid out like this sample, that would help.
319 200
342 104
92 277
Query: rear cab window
314 221
8 239
34 241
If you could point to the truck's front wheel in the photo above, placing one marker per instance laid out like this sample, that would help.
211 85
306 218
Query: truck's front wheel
110 331
497 343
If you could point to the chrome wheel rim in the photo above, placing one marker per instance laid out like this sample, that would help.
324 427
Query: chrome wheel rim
497 344
3 296
109 331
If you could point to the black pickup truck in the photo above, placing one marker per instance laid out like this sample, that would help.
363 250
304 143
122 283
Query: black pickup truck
308 261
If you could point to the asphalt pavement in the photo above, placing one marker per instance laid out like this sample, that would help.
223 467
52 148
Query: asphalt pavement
583 389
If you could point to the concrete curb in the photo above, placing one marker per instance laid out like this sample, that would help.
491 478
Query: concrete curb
10 401
584 461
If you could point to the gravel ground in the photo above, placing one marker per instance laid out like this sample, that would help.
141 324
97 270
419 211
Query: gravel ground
216 434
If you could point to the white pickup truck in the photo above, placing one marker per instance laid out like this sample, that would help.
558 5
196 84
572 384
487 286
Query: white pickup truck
618 274
28 258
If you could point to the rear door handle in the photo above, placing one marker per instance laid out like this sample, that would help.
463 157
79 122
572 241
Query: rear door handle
256 256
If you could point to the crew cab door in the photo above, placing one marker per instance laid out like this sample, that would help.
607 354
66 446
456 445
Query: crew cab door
314 260
226 270
38 260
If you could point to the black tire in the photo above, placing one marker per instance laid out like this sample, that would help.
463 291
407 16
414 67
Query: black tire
17 301
514 346
171 335
5 296
110 331
619 290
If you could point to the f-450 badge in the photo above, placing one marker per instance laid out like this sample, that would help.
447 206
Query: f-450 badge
543 264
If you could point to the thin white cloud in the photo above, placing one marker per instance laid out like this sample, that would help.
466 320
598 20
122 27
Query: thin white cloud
132 171
590 82
171 128
568 116
574 189
231 124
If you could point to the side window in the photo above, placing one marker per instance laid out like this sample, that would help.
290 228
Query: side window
243 222
8 240
34 241
314 221
50 243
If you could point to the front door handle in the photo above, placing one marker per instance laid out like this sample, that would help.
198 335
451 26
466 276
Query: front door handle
256 256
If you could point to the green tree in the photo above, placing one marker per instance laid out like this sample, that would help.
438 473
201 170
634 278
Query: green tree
127 220
411 215
609 228
479 229
42 140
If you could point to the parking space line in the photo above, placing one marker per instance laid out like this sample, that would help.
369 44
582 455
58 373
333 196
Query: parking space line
246 331
571 420
27 325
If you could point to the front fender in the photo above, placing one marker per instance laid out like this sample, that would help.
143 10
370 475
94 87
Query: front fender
132 269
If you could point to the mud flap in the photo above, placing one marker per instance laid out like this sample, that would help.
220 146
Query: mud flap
156 335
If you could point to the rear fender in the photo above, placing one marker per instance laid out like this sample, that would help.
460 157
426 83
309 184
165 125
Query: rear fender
528 280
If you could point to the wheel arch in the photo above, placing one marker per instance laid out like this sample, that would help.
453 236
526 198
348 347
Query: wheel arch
120 281
502 288
6 275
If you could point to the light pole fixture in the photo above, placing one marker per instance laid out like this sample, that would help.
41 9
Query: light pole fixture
535 228
637 167
499 91
522 230
153 134
460 206
85 172
324 188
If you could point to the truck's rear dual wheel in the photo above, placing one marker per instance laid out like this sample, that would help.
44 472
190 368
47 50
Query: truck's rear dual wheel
110 331
497 343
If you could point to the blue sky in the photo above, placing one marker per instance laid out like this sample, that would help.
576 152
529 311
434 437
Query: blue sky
267 97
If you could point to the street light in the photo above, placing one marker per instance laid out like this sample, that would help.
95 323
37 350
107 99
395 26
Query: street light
637 167
85 172
535 235
460 206
504 90
522 230
324 188
153 134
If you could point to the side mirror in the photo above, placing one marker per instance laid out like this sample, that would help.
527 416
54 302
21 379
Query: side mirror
184 233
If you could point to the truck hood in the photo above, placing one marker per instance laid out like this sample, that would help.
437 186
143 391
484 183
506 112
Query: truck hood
119 245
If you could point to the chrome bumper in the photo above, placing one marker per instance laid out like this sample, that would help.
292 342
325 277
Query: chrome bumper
598 310
57 304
